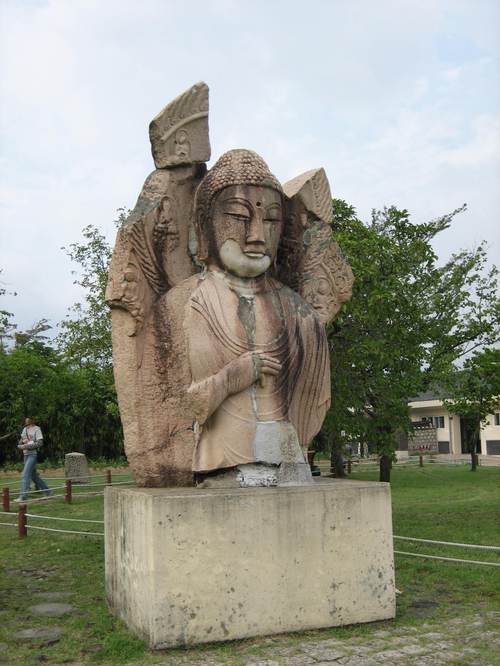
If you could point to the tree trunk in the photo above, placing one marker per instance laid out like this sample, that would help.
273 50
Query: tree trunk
474 461
385 468
336 458
337 464
474 438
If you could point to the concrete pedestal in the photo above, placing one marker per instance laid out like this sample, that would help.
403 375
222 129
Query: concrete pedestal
187 566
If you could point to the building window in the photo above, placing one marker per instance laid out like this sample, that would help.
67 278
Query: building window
439 421
497 418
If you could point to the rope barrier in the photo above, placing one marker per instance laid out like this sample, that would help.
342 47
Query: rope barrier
71 520
44 490
43 499
88 485
449 543
53 529
447 559
12 485
7 513
118 483
9 524
75 478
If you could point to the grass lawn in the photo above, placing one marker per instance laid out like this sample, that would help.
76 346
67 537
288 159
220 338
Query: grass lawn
435 502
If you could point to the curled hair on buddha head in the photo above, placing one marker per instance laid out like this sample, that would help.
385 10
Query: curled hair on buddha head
236 167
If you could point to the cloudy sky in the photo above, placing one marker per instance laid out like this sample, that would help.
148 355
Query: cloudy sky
399 100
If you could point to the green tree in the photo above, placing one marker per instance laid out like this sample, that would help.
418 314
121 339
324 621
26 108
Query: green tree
408 320
85 336
7 326
474 392
33 334
33 382
69 388
85 344
75 407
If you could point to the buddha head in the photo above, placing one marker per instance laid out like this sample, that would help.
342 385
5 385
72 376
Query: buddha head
239 215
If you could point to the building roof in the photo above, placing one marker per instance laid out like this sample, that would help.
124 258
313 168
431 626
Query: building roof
431 394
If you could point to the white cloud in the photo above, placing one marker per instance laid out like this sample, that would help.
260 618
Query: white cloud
452 74
483 148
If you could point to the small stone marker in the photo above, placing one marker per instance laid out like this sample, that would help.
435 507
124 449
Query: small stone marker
51 609
76 467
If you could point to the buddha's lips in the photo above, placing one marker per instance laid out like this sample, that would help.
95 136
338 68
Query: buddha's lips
255 255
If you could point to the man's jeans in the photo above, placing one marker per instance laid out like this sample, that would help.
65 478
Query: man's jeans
30 474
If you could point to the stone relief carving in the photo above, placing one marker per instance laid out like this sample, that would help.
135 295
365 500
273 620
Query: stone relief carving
179 133
220 285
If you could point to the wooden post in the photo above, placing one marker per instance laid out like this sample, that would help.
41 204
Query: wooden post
22 521
67 496
349 466
6 499
108 477
421 460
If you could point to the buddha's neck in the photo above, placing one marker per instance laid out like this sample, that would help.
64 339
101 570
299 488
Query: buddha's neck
244 286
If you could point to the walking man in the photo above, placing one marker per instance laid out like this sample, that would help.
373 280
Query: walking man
31 440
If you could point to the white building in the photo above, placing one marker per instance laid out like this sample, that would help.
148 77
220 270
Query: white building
451 428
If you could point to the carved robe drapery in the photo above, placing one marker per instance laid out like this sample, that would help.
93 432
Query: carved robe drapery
221 320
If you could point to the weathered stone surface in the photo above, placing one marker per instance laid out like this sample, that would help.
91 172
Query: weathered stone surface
76 467
324 654
309 254
151 256
232 563
299 660
51 609
220 283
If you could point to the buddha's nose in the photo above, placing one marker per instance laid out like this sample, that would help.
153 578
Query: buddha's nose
255 232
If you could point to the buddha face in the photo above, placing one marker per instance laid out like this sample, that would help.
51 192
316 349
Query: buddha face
245 229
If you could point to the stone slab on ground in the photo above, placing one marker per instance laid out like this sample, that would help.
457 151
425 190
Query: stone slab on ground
40 633
51 609
187 566
53 596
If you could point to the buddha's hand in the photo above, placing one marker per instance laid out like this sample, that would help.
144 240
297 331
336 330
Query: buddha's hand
249 368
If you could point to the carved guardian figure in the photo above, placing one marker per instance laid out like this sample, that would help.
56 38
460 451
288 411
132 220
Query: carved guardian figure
221 284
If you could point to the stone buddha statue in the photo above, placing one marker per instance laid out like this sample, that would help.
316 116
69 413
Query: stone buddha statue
220 353
259 380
